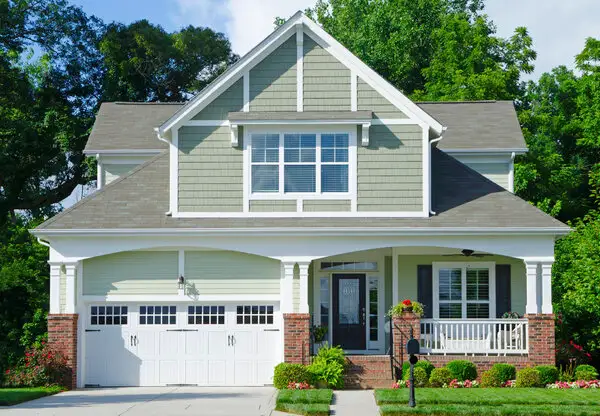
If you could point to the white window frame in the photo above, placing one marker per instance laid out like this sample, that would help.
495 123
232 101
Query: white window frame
490 265
350 130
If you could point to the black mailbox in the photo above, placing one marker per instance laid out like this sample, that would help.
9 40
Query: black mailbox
412 346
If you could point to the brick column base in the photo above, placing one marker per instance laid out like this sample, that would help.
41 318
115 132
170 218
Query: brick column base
62 337
542 347
401 328
296 338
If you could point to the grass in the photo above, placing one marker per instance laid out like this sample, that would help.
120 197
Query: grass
9 397
305 402
494 402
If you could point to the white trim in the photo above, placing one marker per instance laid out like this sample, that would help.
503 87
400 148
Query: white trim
490 152
234 135
246 92
531 268
299 68
304 122
174 173
303 275
364 141
353 92
464 265
298 231
124 152
180 263
55 288
396 121
546 287
395 277
206 123
328 43
247 297
426 152
70 287
287 287
305 214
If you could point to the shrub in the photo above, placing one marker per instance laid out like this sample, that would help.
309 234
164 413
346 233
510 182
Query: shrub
548 374
41 366
585 372
462 370
491 378
425 365
286 374
421 379
439 377
528 377
328 367
505 371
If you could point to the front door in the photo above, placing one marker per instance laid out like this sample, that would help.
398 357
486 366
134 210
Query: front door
349 313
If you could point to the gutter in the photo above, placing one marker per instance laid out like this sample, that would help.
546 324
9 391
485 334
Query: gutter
431 142
168 142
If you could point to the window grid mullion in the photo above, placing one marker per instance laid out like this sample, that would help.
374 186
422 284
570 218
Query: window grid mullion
281 165
318 165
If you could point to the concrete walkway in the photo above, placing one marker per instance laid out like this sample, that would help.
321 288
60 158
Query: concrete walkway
152 401
354 403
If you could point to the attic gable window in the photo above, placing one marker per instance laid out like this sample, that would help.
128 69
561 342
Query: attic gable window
300 163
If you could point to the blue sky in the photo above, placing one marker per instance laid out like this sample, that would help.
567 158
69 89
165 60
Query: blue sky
559 28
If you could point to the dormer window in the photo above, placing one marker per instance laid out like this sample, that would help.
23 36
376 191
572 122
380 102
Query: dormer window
300 163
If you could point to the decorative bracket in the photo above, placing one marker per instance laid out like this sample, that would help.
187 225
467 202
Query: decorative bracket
234 135
365 134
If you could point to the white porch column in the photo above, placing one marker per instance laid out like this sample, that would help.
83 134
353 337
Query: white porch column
395 277
303 267
55 287
532 278
70 287
547 287
287 287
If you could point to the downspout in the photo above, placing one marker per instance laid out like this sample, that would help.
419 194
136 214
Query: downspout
42 242
511 173
168 142
431 142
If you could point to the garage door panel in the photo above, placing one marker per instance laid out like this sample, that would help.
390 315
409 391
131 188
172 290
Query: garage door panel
244 372
217 372
195 372
217 343
168 372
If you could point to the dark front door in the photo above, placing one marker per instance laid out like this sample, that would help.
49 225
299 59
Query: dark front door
349 324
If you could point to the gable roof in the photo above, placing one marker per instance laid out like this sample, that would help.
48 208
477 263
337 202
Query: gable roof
128 126
478 125
462 199
282 33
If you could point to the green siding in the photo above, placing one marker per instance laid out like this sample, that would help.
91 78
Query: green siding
230 100
210 171
133 272
495 172
407 271
326 80
273 206
228 272
390 176
367 99
115 171
326 206
273 82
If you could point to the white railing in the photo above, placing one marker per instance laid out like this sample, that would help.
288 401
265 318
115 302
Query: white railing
474 336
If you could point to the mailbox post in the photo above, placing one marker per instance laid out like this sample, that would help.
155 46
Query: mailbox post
412 349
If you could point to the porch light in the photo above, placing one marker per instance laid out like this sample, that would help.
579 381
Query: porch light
181 282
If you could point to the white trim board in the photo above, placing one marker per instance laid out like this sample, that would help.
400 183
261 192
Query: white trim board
271 43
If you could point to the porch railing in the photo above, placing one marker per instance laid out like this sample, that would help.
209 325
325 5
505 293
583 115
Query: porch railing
469 336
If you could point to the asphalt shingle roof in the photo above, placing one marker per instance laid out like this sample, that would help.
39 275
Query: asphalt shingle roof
461 198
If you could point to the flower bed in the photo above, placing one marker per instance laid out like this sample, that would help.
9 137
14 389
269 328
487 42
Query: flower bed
580 384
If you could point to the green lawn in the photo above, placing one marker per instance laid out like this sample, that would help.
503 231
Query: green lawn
517 402
305 402
8 397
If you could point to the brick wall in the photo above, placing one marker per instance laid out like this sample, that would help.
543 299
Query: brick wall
62 337
296 338
541 339
401 328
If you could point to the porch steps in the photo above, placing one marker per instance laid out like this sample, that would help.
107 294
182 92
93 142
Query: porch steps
368 372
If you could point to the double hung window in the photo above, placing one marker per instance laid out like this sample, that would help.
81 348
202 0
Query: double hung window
300 163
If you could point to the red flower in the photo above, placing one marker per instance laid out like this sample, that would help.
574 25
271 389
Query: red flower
7 371
406 302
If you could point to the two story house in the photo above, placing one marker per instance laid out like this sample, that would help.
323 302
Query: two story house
299 188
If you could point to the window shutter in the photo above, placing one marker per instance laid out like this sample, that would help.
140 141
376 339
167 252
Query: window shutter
425 289
502 289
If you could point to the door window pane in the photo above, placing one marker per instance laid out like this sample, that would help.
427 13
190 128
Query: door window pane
450 284
478 284
349 298
265 178
373 306
254 315
158 315
334 178
299 178
324 292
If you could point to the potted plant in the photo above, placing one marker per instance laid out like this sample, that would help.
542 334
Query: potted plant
511 315
406 305
319 332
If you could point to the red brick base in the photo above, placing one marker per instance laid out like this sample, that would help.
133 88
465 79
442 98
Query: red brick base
296 338
62 337
542 347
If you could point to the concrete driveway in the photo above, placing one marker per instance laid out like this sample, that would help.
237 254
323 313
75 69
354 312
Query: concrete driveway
149 401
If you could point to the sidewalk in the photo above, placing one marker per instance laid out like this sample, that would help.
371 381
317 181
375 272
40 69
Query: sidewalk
354 403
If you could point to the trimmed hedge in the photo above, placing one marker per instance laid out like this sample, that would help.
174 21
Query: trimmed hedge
528 377
425 365
491 378
586 372
439 377
548 374
505 371
462 370
286 373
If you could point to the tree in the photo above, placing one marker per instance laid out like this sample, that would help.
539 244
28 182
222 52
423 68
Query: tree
431 49
145 63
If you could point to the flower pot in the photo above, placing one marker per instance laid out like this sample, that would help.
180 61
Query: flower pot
317 346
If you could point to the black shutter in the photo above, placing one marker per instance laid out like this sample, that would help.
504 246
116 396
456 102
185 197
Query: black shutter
425 289
502 289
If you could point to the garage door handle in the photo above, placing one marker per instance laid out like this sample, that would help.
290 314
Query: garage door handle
135 339
271 330
229 340
92 330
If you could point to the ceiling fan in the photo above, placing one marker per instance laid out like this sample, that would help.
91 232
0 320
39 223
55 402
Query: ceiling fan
468 253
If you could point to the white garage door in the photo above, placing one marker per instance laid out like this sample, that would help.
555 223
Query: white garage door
166 344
